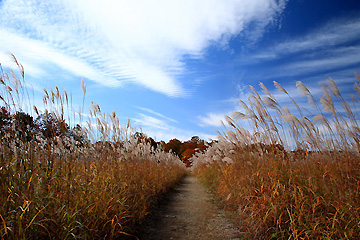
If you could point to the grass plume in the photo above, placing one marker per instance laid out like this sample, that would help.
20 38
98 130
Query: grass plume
62 180
292 176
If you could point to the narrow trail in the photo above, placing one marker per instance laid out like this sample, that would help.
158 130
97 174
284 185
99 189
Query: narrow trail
189 214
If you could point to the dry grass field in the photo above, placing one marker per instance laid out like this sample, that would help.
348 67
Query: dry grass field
60 180
293 175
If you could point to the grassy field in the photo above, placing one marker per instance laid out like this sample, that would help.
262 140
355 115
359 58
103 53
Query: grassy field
68 181
292 176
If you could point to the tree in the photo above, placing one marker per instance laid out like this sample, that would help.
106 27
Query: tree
189 148
142 137
195 139
188 153
174 145
152 142
78 135
5 121
51 126
24 125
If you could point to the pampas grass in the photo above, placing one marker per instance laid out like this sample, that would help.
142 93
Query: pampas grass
291 175
61 180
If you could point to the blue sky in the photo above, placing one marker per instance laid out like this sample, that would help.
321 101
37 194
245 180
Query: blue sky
175 68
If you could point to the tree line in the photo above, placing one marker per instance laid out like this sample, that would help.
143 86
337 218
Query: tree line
185 150
24 127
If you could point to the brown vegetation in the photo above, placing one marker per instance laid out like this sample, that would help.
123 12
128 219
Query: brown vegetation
61 180
309 192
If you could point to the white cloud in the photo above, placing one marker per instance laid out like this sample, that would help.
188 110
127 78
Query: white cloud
157 114
180 134
149 121
114 42
35 55
340 58
334 33
161 127
323 51
212 119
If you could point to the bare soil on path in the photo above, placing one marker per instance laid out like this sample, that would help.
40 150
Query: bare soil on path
188 213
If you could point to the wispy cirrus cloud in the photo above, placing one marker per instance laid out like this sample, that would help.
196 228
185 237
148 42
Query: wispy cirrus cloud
37 56
212 119
156 124
325 50
157 114
117 42
153 119
335 33
149 121
180 134
340 58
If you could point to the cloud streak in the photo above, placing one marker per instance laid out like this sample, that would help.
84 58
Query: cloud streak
117 42
334 33
149 121
328 49
212 119
157 114
161 126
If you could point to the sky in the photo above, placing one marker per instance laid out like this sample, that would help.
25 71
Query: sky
176 67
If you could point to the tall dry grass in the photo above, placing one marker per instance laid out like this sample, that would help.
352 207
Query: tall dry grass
294 175
62 181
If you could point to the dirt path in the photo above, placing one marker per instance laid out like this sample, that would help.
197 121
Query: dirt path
189 214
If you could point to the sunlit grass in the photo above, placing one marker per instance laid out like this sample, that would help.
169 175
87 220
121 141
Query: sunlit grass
309 192
65 182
